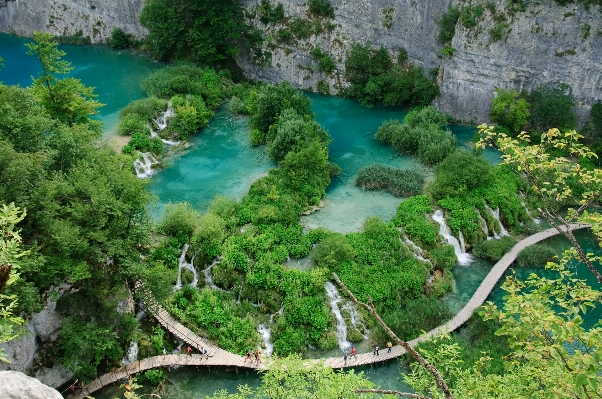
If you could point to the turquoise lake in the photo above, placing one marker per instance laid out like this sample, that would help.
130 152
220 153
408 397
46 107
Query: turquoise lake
221 162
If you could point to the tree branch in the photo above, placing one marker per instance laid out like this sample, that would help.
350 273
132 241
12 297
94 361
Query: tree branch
391 392
370 308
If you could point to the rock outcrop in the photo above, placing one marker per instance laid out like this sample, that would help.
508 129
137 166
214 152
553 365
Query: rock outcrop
16 385
94 18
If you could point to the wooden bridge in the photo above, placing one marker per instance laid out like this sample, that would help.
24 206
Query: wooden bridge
220 357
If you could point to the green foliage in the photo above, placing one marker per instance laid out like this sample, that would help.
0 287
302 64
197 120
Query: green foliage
460 173
421 134
321 8
447 25
179 218
332 251
412 217
143 143
552 106
155 376
400 182
149 108
273 99
131 124
325 61
469 15
537 255
374 77
493 250
269 14
191 116
78 38
119 39
498 32
66 99
443 257
510 111
206 31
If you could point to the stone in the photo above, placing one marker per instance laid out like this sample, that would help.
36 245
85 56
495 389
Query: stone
47 323
55 376
20 351
16 385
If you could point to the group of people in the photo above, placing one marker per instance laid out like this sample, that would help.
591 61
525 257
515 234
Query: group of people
376 352
202 351
250 355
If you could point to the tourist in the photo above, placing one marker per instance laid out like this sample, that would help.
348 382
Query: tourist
389 346
249 354
345 357
376 348
353 352
189 351
204 352
164 352
257 357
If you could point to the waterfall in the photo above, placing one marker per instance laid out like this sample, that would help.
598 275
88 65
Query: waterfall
132 354
182 264
161 123
144 168
496 215
266 333
415 250
461 239
355 318
209 277
463 257
483 224
334 299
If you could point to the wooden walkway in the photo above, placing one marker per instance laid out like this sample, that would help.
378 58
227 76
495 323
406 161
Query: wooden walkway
220 357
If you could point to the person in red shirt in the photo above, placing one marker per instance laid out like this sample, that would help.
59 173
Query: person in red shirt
189 351
353 352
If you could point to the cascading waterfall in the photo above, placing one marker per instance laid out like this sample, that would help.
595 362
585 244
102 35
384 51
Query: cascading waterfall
415 249
536 220
266 333
144 168
334 299
209 277
132 354
354 316
161 123
496 215
483 224
461 239
463 257
182 264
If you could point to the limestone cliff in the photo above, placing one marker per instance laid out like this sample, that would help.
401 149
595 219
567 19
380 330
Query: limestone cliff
541 44
95 18
16 385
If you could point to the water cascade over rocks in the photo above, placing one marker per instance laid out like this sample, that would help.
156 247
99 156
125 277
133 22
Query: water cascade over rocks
496 215
161 123
334 299
182 264
265 330
209 277
463 257
415 250
483 224
461 239
355 319
132 354
144 167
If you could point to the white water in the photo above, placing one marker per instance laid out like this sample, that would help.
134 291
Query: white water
334 299
355 319
209 277
132 354
415 250
182 264
161 123
463 257
461 239
496 215
266 333
144 167
483 223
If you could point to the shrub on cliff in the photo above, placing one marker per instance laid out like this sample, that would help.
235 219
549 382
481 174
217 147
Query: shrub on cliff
119 39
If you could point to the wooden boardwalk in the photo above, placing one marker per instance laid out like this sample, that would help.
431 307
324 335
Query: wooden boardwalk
220 357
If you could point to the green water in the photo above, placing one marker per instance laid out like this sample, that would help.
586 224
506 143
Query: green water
116 75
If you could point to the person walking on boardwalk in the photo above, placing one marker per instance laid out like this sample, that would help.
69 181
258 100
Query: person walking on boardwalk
189 351
389 346
204 352
353 352
257 357
345 357
249 354
376 348
164 352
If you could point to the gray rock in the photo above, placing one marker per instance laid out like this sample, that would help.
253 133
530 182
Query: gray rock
47 323
20 351
54 377
16 385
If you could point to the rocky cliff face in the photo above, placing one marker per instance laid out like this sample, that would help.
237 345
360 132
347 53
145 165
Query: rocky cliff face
542 44
94 18
16 385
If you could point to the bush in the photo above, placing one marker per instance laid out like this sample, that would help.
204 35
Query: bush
191 116
412 217
400 182
269 14
441 285
552 106
131 124
155 376
494 249
332 251
143 143
443 257
119 39
321 7
460 173
447 25
149 108
510 111
179 218
537 255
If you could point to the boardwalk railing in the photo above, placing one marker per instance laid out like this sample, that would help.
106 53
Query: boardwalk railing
220 357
